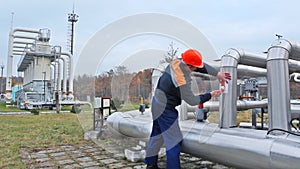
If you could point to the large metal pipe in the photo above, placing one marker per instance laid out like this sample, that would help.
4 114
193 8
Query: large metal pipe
295 77
18 50
10 58
53 79
19 46
227 109
52 67
22 42
65 67
24 37
241 105
295 47
18 53
244 71
279 72
229 63
71 75
240 148
58 89
278 78
8 89
237 147
294 66
25 30
64 84
56 77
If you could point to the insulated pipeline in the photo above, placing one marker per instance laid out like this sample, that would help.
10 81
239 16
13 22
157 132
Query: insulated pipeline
237 147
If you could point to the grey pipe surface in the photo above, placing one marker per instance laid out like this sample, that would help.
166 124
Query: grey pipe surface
24 37
58 75
71 74
295 77
236 147
240 148
239 56
54 78
52 71
241 105
10 57
279 66
278 79
64 87
244 71
294 66
295 48
229 63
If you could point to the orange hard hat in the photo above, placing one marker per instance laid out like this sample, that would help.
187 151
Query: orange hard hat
192 57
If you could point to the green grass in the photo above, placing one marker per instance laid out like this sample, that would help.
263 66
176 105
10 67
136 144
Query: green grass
242 116
85 119
128 107
13 108
18 131
9 108
66 108
34 131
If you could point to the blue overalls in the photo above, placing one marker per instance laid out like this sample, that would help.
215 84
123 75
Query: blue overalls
166 130
173 86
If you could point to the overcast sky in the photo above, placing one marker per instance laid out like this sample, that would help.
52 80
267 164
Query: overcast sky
247 24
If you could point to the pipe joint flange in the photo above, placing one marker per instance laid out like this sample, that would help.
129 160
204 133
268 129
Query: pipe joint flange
279 50
231 58
282 43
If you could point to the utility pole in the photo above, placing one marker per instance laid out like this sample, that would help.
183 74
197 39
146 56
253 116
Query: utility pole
73 18
2 67
1 79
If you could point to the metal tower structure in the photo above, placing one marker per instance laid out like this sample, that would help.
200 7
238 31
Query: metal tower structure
72 18
1 79
2 67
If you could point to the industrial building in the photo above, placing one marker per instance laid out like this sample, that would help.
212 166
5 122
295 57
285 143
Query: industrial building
47 71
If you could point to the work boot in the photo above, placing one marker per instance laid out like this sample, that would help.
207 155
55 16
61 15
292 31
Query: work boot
152 167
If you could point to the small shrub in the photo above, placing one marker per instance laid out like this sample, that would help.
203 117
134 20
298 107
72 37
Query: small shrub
35 112
147 105
76 109
117 103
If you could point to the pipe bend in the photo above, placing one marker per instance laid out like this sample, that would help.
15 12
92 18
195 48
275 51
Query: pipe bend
235 53
25 30
279 50
297 77
130 124
282 43
295 45
295 50
67 54
61 58
279 46
238 56
231 58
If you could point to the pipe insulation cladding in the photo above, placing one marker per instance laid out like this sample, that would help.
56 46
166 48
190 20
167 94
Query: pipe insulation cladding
277 148
237 147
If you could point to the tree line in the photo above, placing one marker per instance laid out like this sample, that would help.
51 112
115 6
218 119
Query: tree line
117 83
